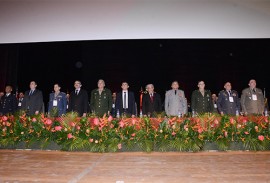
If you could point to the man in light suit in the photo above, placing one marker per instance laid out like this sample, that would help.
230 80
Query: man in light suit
125 101
252 100
33 100
58 101
175 102
151 101
78 101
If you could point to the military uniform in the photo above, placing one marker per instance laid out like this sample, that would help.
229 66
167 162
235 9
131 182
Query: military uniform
175 103
252 102
101 103
228 102
8 104
201 104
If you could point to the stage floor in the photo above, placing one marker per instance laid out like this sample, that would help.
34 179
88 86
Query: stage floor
18 166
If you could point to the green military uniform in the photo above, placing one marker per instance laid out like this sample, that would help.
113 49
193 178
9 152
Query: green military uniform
201 104
101 103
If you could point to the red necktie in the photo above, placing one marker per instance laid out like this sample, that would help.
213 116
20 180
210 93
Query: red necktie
152 98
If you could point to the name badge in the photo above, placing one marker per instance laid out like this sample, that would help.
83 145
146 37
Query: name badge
54 103
231 99
254 97
215 105
113 106
19 104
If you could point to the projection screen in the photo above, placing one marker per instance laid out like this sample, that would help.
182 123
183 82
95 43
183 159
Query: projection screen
68 20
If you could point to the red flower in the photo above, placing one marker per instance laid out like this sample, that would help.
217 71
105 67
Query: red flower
69 136
173 133
261 137
200 130
232 121
96 121
4 118
121 124
48 122
34 119
246 133
71 124
91 140
110 118
133 135
225 134
78 127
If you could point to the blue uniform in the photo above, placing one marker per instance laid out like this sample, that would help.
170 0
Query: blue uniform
226 104
58 101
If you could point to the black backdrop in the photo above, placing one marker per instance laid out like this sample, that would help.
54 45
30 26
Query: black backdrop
138 62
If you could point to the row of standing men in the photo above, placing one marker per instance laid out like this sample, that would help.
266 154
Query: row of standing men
101 102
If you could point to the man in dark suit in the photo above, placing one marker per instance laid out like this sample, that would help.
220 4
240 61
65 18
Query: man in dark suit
151 101
33 100
8 104
78 101
20 99
125 101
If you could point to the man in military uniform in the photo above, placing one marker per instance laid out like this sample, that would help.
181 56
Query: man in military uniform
175 102
252 100
214 100
8 104
201 101
228 101
101 99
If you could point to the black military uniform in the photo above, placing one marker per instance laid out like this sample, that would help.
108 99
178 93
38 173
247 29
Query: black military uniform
101 103
201 104
8 104
226 104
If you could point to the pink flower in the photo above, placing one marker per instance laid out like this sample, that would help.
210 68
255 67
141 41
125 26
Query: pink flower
216 121
58 128
173 133
200 130
48 122
96 121
225 134
4 118
71 124
133 121
119 146
87 131
246 133
232 121
78 127
256 128
110 118
91 140
121 124
69 136
133 135
261 137
34 119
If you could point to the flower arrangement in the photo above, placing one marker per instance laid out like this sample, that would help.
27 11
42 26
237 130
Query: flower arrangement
109 134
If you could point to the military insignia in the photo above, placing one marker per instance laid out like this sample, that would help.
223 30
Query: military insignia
225 94
234 94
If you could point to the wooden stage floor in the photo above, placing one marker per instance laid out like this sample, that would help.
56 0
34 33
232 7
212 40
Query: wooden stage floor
17 166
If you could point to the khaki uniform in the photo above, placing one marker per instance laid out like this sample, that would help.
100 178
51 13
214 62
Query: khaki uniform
201 104
252 102
101 103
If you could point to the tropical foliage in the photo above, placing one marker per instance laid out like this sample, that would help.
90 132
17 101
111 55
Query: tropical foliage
109 134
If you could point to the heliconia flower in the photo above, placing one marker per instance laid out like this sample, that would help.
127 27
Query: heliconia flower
34 119
96 121
133 135
200 130
48 122
87 131
110 118
121 124
119 146
69 136
58 128
261 137
173 133
133 121
4 118
246 133
225 134
91 140
216 121
71 124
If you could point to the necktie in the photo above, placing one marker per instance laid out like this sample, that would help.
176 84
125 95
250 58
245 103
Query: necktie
76 92
152 97
254 90
125 100
175 92
230 93
31 92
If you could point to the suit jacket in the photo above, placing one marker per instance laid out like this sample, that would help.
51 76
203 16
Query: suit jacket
32 103
249 105
149 106
131 103
78 103
175 103
61 103
8 104
225 105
